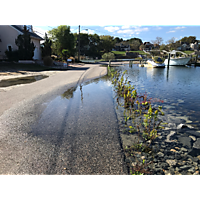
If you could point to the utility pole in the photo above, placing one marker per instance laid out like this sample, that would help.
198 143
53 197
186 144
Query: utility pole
79 44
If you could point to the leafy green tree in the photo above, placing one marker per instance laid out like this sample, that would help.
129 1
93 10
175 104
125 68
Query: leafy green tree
62 38
135 44
190 39
132 40
107 43
84 43
94 44
46 46
25 46
118 40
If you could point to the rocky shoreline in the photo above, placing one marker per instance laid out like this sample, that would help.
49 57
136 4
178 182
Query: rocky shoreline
175 152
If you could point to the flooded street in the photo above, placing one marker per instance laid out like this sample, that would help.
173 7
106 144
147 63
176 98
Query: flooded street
82 125
72 131
81 129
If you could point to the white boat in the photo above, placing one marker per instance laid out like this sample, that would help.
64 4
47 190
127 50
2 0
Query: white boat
155 62
177 60
152 63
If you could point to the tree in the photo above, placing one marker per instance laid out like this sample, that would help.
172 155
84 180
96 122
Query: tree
107 43
84 43
158 41
172 44
94 44
46 46
25 46
132 40
141 47
135 45
62 38
190 39
118 40
171 41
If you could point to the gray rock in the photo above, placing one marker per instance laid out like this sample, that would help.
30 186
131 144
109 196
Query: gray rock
167 172
157 169
164 165
171 162
193 138
185 167
196 148
168 136
180 126
197 144
185 141
192 170
193 133
177 156
160 154
171 125
183 149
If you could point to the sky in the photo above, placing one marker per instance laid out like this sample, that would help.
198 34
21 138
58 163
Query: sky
146 33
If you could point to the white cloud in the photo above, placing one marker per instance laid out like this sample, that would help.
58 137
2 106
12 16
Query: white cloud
173 31
111 28
180 27
88 31
125 27
176 29
134 30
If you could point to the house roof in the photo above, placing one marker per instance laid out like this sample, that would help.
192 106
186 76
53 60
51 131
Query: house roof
33 35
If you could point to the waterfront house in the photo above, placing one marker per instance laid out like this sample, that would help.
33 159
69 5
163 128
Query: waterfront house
194 46
122 47
148 46
8 34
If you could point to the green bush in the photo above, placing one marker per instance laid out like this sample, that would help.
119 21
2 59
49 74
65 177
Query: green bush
12 55
108 56
48 61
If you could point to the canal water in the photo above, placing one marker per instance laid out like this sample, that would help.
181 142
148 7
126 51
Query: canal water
176 89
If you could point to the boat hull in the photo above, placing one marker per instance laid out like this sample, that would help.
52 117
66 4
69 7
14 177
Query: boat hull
177 61
154 65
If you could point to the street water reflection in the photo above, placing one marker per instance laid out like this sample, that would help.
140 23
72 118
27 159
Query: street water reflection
21 80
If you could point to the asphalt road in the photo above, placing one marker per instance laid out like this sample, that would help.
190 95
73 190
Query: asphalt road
43 133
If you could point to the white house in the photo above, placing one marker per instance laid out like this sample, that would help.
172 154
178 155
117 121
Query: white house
8 34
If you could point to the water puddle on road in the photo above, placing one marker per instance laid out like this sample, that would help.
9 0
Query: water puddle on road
72 106
21 80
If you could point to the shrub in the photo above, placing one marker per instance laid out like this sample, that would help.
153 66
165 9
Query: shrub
108 56
48 61
12 55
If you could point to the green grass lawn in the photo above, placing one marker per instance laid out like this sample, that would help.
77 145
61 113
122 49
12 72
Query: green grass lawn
188 52
124 52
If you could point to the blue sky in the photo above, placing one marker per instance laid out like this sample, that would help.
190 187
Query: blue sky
146 33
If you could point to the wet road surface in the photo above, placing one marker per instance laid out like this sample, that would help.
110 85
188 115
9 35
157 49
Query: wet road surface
72 131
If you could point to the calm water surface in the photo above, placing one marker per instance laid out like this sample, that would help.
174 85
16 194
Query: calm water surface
178 87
